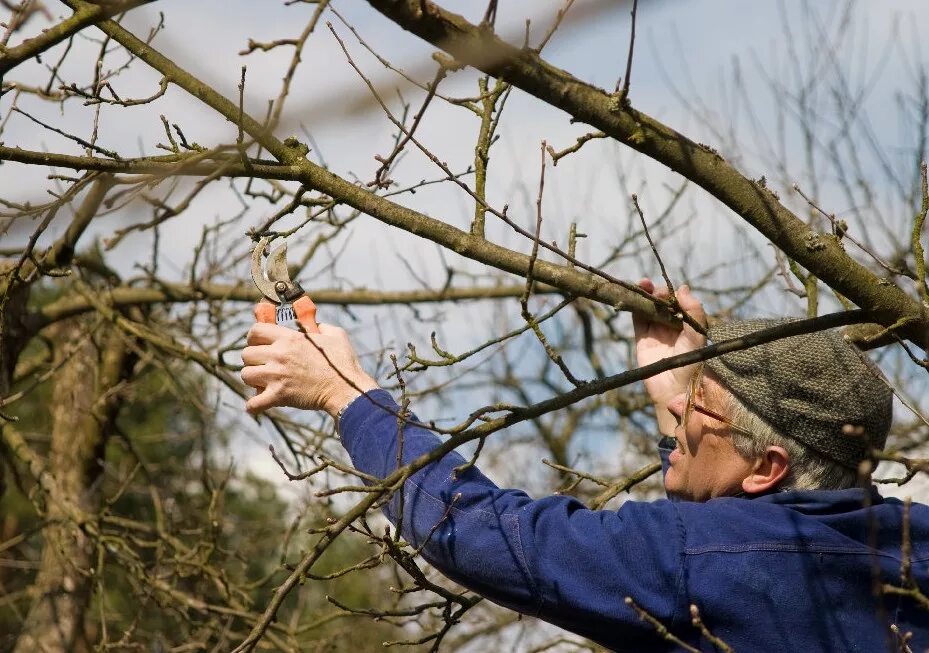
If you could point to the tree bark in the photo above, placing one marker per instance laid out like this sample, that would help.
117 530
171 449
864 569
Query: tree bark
13 338
84 405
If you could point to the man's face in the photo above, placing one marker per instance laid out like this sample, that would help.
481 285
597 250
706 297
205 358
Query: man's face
705 463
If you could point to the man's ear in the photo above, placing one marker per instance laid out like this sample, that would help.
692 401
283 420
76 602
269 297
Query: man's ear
769 471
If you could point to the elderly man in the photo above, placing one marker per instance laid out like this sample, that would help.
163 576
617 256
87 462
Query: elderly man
770 532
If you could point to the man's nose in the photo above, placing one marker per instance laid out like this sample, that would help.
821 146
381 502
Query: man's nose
677 405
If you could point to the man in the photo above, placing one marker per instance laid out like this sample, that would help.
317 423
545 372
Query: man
769 535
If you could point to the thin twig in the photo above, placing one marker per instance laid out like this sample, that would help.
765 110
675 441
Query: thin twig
661 629
651 243
76 139
553 355
918 251
581 140
840 229
624 94
710 637
499 214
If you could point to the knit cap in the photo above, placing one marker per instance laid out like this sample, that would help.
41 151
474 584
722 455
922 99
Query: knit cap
810 388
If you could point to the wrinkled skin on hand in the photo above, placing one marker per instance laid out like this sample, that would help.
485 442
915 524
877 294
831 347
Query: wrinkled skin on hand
654 341
313 371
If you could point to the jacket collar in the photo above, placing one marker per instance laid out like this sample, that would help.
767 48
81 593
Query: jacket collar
816 502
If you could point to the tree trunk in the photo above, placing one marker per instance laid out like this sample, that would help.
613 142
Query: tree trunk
12 335
84 405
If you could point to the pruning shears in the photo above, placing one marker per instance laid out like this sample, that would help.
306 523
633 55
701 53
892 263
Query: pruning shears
288 304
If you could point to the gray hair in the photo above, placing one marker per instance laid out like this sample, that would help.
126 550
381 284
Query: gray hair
808 469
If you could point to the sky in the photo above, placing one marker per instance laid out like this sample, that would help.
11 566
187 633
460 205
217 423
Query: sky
687 56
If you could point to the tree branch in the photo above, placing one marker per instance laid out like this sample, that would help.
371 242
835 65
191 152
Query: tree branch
524 68
86 15
61 252
73 304
292 153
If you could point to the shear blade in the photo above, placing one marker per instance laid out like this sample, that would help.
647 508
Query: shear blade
276 268
259 275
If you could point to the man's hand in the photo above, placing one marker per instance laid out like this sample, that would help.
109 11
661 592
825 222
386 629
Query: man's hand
654 341
289 370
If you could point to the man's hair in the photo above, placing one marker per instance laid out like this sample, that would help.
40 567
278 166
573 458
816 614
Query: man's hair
808 469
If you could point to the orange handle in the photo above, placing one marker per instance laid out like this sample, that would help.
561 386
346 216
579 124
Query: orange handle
304 308
265 312
306 313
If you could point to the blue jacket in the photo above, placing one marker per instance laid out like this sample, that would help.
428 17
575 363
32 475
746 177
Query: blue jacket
790 571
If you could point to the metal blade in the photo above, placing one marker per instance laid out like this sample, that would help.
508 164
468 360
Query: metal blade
265 286
276 268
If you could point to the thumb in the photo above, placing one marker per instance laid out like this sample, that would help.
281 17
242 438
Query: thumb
690 304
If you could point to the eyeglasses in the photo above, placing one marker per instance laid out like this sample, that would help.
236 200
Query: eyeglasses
691 406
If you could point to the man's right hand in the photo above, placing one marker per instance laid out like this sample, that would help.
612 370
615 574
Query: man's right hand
655 341
313 371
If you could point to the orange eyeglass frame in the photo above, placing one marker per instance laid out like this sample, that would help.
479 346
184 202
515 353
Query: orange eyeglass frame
692 406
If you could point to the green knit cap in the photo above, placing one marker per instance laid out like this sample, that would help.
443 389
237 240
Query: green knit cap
808 388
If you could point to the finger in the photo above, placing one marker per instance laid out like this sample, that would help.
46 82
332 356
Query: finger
256 376
260 376
261 402
256 354
643 325
691 304
265 312
640 325
263 333
306 314
248 378
331 330
647 285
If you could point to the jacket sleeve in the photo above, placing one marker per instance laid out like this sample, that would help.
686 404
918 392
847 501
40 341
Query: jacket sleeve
552 558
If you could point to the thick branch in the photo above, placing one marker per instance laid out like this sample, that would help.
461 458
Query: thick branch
84 16
61 252
562 277
168 165
71 305
524 68
290 152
